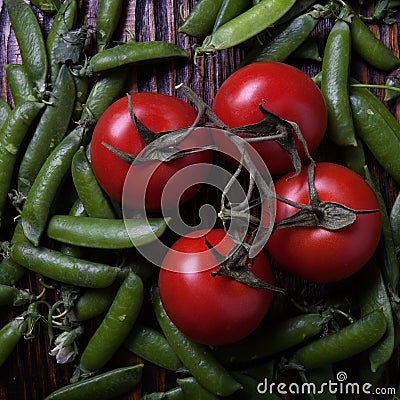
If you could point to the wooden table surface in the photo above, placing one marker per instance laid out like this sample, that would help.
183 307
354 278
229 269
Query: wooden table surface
30 373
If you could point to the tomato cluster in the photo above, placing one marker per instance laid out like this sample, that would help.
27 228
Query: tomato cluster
219 309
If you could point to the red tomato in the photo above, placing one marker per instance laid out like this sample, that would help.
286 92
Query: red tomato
319 254
287 92
159 112
211 310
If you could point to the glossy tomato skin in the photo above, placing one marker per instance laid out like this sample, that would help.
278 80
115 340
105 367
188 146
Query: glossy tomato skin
159 112
211 310
287 92
318 254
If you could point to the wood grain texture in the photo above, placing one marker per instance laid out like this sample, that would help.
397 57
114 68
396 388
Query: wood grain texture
30 373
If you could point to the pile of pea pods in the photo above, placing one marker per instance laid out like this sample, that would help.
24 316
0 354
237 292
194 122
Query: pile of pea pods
45 174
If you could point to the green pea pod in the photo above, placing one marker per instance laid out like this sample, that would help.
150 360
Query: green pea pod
369 47
10 335
36 211
89 191
261 371
250 389
12 135
8 295
47 6
172 394
83 87
353 157
60 267
105 233
116 325
395 223
308 50
5 110
63 22
201 19
271 339
133 52
347 342
246 25
230 9
10 271
335 85
107 21
194 391
378 129
21 87
365 372
30 40
104 92
391 268
300 7
374 296
152 346
108 385
94 302
51 129
197 358
320 377
77 209
285 42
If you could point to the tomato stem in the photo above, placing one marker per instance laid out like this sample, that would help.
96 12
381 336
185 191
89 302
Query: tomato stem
317 213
